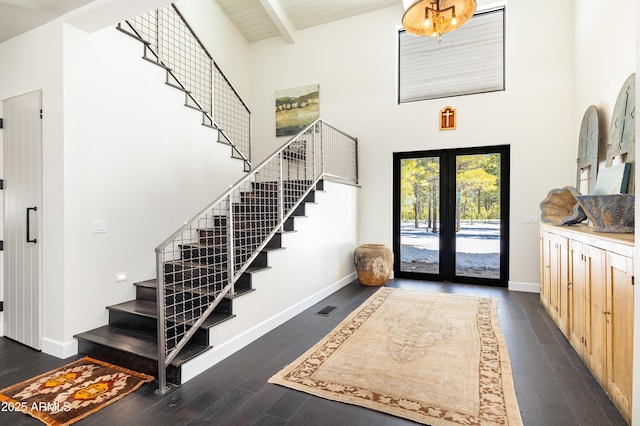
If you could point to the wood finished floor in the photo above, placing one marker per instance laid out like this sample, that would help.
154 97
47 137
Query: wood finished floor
552 384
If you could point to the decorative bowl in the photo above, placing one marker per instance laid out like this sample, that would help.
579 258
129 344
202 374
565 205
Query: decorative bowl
610 213
561 208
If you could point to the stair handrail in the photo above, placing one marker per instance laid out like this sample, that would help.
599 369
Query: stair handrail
148 28
319 151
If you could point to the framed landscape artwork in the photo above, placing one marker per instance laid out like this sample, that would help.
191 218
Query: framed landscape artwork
296 108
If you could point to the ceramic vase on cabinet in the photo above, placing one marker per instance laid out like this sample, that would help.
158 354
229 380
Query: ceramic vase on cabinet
374 263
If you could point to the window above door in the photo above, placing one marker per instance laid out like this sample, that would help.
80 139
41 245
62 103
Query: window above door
468 60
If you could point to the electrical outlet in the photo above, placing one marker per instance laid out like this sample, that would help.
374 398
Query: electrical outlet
99 226
531 219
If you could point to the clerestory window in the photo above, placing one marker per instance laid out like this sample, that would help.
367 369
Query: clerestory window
468 60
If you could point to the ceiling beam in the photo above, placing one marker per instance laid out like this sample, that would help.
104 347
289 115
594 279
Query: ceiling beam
279 18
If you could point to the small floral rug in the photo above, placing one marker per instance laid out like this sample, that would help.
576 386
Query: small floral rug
433 358
72 392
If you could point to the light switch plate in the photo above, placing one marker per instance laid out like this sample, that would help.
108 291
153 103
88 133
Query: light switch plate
99 226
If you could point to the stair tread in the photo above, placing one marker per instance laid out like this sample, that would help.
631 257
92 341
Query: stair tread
175 86
205 245
190 263
254 269
145 308
137 343
146 283
270 249
240 292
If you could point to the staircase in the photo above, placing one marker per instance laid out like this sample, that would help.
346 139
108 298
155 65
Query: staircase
131 339
210 261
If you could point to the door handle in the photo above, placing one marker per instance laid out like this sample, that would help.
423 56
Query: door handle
29 210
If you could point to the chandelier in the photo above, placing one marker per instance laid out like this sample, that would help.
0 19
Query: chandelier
434 18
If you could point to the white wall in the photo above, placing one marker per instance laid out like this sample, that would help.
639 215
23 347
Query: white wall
118 146
354 61
135 157
33 61
222 39
605 40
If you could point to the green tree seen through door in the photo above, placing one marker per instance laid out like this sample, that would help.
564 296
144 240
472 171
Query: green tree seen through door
420 178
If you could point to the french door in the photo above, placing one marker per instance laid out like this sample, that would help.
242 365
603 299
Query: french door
451 215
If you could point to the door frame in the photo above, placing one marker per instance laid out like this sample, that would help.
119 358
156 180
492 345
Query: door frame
447 199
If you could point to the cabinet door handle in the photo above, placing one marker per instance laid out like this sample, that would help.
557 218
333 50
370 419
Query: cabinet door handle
29 210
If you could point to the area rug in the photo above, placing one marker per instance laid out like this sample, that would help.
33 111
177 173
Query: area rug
72 392
433 358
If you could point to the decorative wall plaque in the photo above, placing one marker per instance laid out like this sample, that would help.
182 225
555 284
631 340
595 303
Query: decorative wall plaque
448 118
588 144
622 137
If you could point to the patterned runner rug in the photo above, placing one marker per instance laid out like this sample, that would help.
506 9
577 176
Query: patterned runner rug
72 392
434 358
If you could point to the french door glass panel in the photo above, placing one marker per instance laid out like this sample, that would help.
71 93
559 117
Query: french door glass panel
420 227
477 251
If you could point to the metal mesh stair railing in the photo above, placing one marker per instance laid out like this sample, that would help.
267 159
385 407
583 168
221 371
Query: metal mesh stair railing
170 43
203 261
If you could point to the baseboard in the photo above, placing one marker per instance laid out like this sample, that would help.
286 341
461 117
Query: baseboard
59 349
524 287
213 356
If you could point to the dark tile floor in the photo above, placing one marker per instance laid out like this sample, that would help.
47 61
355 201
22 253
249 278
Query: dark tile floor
552 384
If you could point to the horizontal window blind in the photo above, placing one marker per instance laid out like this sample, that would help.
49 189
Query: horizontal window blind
468 60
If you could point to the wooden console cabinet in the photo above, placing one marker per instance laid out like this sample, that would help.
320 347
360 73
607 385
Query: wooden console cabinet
587 285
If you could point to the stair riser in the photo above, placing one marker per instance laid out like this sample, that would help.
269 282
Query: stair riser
218 261
194 276
264 209
311 197
209 255
271 198
260 261
186 302
243 224
131 361
146 293
150 293
244 284
288 185
150 326
289 225
300 210
275 242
